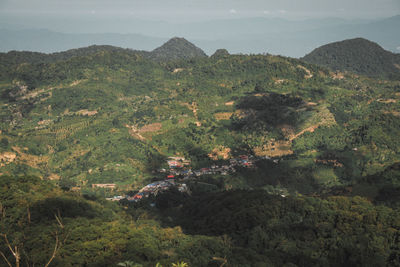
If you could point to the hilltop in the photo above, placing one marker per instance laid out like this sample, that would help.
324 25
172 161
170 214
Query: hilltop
220 53
175 49
359 56
18 57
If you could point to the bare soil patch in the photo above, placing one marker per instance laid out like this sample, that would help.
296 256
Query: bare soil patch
154 127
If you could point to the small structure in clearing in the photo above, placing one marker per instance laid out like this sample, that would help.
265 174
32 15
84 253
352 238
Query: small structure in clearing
108 186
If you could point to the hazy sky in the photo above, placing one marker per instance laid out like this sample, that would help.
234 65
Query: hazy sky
163 19
175 10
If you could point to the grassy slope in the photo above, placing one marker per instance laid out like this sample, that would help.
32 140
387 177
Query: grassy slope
328 131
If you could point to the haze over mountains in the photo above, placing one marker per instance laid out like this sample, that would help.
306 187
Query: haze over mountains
244 35
357 55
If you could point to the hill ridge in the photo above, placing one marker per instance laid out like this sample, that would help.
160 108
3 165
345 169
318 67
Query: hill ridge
176 48
357 55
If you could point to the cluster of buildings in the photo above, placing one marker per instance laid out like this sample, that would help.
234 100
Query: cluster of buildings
115 198
179 168
177 162
157 187
243 161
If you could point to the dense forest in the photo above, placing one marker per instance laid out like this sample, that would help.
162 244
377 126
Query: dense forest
358 56
322 188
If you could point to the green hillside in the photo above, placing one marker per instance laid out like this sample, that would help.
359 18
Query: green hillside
321 189
359 56
77 119
174 49
238 228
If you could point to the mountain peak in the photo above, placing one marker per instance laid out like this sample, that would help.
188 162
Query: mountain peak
177 39
220 53
177 48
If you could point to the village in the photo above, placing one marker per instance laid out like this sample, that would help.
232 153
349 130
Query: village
179 171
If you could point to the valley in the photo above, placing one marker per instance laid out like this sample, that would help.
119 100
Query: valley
239 160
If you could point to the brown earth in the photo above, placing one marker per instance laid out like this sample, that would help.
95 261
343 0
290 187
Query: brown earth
274 149
223 115
44 122
85 112
30 160
74 83
154 127
309 129
308 75
7 158
54 176
177 70
311 104
280 148
134 132
387 101
220 152
394 113
337 75
279 81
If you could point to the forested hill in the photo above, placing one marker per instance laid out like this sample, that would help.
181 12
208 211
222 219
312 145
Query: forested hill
18 57
317 182
359 56
175 49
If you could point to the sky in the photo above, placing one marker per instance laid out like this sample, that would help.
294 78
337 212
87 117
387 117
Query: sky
198 10
288 27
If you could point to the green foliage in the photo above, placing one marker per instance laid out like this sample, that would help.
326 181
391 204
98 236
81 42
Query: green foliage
108 115
324 138
333 231
90 233
359 56
175 49
4 143
84 109
272 110
129 264
180 264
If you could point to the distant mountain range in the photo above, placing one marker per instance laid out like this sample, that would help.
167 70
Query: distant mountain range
46 41
359 56
246 35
